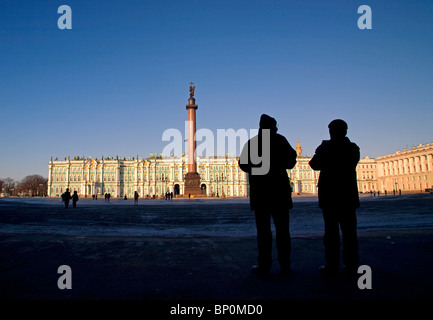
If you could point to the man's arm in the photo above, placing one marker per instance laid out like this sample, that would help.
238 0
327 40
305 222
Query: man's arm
244 159
316 162
291 159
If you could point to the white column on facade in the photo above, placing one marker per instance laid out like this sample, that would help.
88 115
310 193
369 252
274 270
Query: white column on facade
379 170
83 185
410 160
67 173
417 162
405 166
49 178
142 179
135 177
117 179
429 162
147 182
423 163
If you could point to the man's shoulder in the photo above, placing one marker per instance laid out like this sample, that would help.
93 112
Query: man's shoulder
281 138
353 145
325 144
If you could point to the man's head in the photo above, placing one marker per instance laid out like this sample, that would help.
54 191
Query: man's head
337 129
267 122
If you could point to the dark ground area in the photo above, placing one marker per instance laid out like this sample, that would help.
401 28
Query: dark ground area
163 254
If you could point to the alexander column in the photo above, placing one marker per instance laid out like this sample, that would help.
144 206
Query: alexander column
192 178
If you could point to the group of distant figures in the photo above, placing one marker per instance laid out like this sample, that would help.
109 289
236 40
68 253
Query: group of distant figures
125 197
66 197
373 193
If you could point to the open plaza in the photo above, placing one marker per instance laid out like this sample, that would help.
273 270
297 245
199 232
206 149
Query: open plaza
203 249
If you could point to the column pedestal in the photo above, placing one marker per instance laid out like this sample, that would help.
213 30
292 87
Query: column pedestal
192 184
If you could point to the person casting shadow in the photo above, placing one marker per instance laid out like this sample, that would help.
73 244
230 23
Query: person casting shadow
66 197
74 199
270 193
135 197
337 159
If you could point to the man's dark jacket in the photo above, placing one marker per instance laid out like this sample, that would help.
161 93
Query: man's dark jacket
337 159
271 190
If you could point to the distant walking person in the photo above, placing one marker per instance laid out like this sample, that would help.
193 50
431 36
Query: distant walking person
270 192
66 197
337 159
135 197
74 199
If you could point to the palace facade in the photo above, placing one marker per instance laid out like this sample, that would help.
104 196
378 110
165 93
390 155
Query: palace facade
153 176
156 175
408 171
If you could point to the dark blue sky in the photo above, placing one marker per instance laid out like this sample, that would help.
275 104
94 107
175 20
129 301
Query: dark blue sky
119 78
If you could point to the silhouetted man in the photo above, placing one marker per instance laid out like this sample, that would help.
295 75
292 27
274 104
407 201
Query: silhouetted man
270 191
67 197
135 197
74 199
338 197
